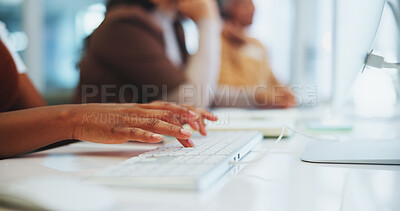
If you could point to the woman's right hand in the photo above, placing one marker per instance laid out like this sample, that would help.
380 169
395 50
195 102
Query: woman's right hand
120 123
280 97
198 9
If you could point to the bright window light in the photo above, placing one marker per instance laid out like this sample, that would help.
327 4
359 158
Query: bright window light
19 40
191 36
93 17
327 41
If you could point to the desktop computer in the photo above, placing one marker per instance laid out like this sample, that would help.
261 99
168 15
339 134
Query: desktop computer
355 27
172 166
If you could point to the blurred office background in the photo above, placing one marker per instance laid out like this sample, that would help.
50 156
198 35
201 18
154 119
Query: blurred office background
49 36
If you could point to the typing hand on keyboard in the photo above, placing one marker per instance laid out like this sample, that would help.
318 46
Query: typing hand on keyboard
180 115
199 124
119 123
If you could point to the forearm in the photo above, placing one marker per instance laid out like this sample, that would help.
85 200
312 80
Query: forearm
202 70
27 130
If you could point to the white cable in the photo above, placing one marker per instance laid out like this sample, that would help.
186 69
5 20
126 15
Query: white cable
279 139
310 136
266 151
379 62
391 65
262 154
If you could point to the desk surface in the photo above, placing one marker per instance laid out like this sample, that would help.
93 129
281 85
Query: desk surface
280 181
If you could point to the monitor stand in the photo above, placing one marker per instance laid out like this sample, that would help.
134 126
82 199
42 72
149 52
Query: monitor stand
353 152
348 152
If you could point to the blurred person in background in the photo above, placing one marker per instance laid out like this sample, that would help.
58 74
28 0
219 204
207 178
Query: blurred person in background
138 54
27 124
246 77
18 81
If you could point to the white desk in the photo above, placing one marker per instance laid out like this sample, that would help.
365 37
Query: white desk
287 184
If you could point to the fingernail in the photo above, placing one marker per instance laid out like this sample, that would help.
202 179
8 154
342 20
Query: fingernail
190 142
205 131
157 136
186 132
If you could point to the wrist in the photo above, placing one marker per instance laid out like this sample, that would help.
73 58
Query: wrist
69 117
206 17
209 14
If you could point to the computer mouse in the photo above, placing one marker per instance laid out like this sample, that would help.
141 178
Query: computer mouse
55 193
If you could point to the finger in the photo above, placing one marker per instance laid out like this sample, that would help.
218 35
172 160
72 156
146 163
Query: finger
186 142
161 127
200 121
206 114
137 134
163 115
176 109
202 126
209 116
174 121
194 125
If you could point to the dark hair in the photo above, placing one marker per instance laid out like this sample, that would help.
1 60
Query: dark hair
145 4
223 6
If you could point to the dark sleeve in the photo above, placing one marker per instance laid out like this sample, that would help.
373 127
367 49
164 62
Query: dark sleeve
136 51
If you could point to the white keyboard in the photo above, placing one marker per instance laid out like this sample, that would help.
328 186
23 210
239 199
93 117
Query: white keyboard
172 166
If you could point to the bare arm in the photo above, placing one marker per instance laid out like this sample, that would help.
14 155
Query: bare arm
202 70
26 130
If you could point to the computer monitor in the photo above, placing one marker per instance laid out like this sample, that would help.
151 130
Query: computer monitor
356 23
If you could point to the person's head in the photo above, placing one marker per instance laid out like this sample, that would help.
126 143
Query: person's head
146 4
240 11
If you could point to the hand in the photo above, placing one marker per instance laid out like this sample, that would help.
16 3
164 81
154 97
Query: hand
279 97
200 124
234 33
119 123
285 98
198 9
197 124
